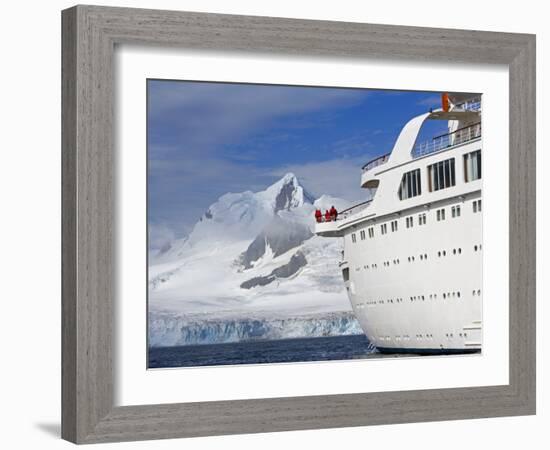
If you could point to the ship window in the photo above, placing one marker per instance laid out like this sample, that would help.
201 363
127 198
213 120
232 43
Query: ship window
472 166
441 175
422 219
477 205
441 214
394 225
345 274
455 211
409 222
371 232
353 238
384 228
410 185
362 234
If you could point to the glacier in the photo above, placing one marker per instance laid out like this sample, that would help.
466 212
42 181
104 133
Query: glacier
168 329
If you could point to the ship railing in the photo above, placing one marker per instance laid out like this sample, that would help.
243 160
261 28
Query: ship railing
379 160
470 105
444 141
342 215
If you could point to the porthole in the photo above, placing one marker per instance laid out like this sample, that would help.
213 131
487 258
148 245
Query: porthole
458 294
444 295
459 251
454 251
475 248
444 253
478 292
439 254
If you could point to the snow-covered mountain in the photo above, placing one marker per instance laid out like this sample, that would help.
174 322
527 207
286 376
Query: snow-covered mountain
251 262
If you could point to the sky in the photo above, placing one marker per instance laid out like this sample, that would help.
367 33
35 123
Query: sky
207 139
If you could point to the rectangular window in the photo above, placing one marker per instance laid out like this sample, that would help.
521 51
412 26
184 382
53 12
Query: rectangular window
362 234
455 211
409 222
422 219
442 174
477 205
472 166
410 185
384 228
394 225
371 232
440 214
353 238
345 274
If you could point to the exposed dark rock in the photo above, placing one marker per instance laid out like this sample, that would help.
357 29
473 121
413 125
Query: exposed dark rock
297 261
286 195
280 235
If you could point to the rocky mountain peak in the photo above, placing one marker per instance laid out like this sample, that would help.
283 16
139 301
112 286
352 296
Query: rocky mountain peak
288 193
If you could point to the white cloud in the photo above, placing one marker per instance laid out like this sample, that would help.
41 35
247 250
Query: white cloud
159 235
207 115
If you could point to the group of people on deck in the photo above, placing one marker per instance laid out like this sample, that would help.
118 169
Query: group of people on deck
329 216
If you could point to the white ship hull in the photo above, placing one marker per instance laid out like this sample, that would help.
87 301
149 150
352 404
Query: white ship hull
412 272
419 289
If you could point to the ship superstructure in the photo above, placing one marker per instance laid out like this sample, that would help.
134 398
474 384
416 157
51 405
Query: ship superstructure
412 259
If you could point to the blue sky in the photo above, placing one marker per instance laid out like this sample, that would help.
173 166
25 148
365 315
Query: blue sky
206 139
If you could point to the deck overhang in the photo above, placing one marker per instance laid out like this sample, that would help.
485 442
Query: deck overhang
328 229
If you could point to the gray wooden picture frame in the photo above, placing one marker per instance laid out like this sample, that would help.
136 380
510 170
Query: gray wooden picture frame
90 34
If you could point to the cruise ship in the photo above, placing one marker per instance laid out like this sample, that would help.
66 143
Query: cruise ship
412 258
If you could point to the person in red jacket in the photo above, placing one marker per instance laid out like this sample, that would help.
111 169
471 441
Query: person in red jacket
327 216
318 215
333 213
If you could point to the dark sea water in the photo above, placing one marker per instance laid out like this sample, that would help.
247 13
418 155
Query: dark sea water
255 352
